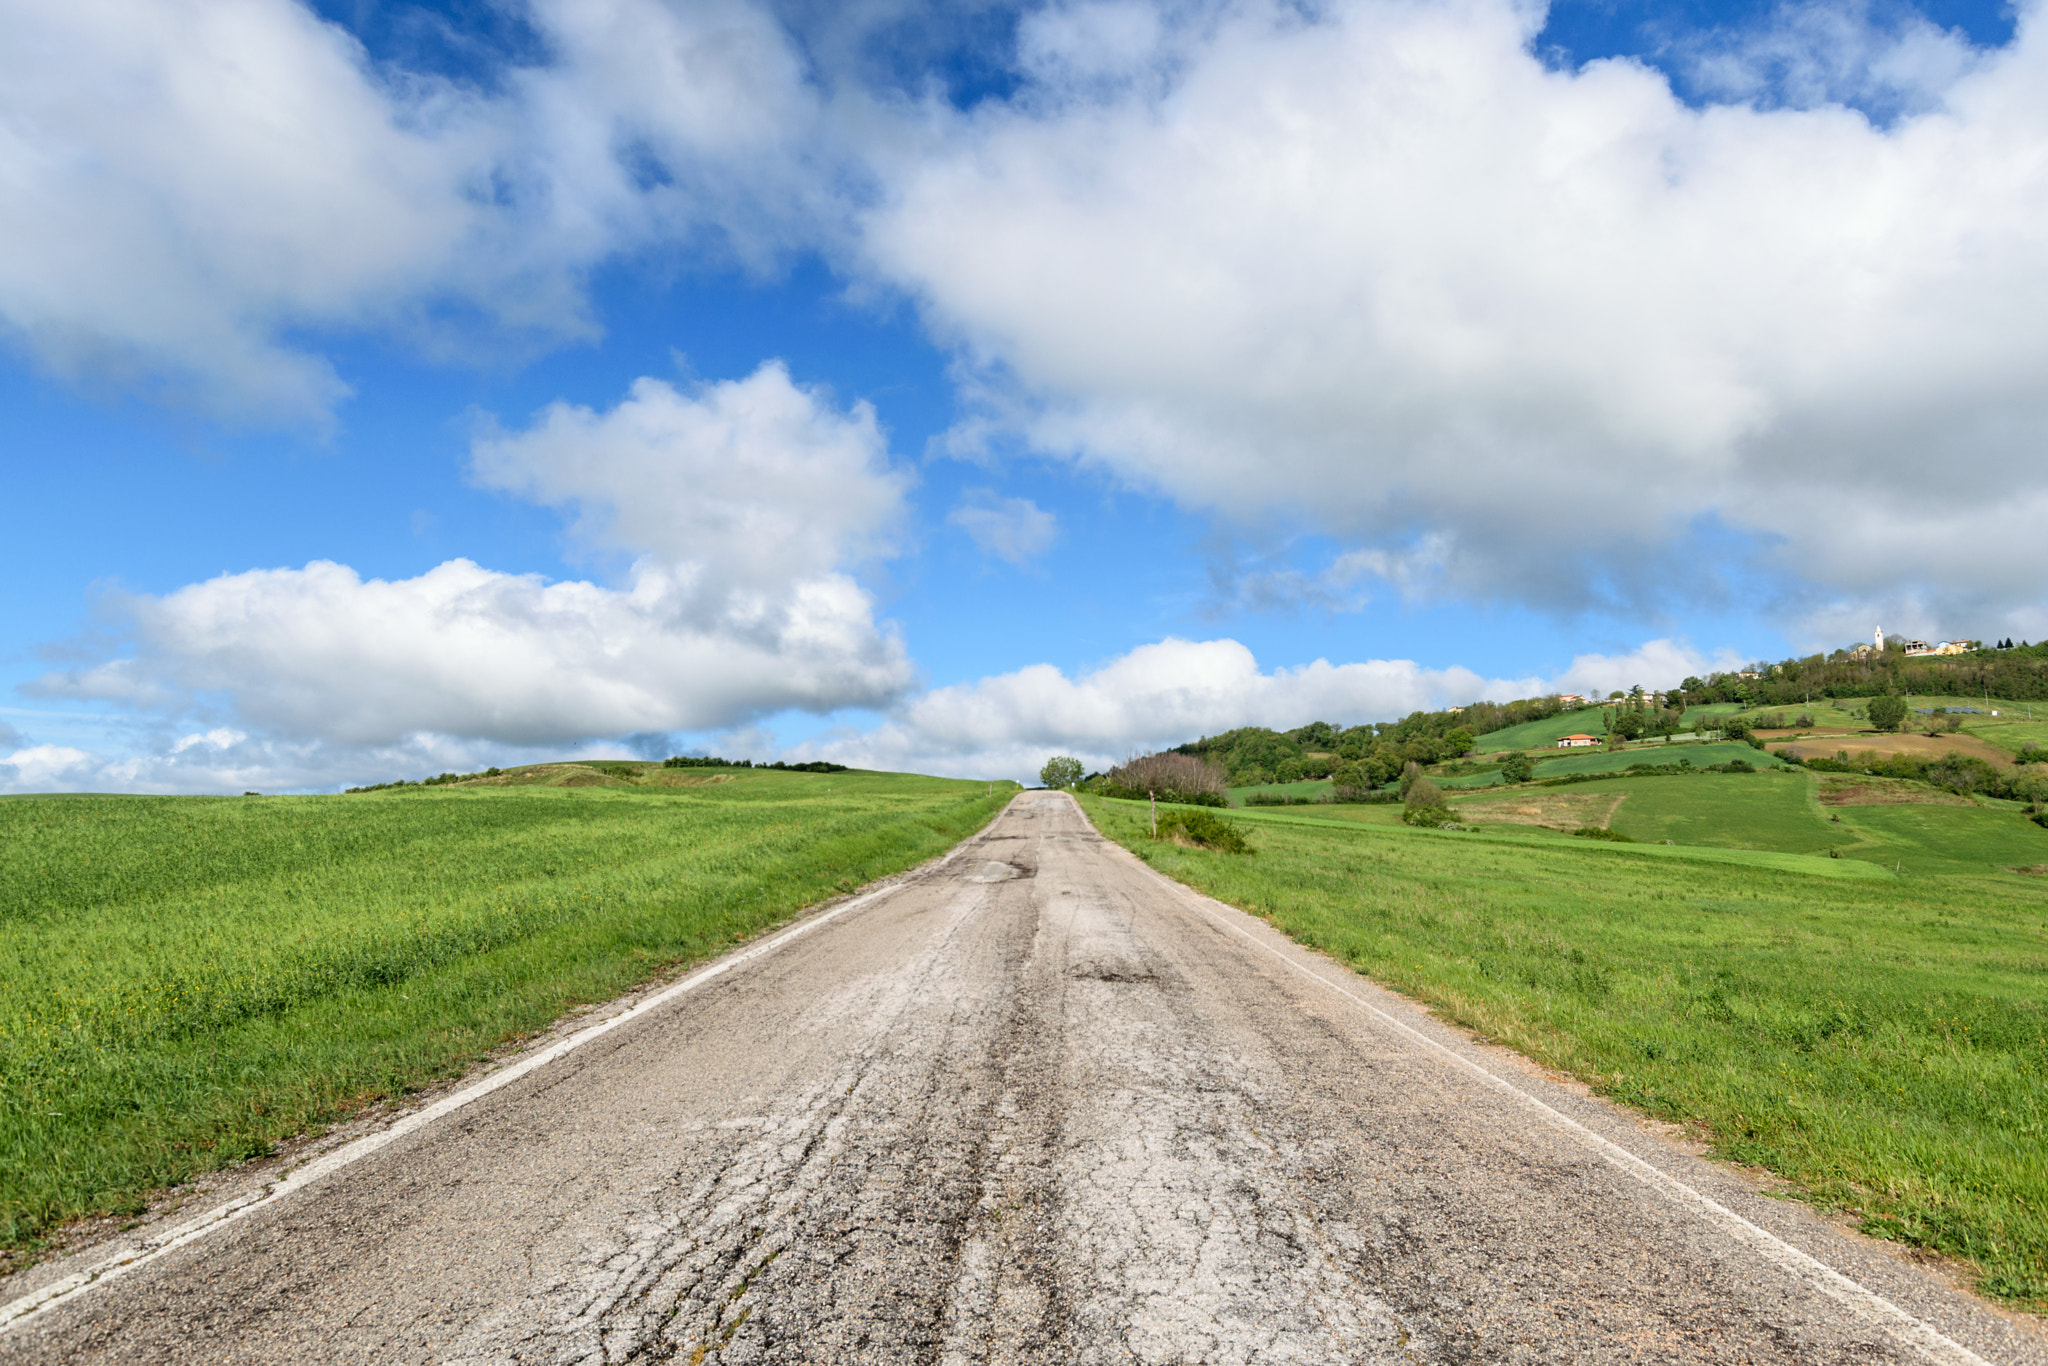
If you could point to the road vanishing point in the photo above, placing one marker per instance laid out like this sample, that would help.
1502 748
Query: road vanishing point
1031 1103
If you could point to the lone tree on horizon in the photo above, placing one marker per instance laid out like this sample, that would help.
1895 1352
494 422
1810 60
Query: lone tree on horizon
1062 770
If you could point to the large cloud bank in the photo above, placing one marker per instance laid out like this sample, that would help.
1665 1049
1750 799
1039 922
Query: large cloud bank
1520 332
191 184
1387 272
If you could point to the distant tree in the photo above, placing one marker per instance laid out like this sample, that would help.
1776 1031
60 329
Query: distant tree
1692 685
1518 768
1459 742
1423 792
1411 774
1289 771
1629 725
1887 712
1060 771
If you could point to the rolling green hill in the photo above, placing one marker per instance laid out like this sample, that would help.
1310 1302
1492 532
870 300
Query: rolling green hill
1545 733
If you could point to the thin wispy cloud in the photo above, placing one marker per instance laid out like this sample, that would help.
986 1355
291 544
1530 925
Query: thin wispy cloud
1013 529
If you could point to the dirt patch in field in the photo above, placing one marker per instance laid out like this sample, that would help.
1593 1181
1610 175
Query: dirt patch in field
1553 810
684 777
1919 746
2035 870
1885 792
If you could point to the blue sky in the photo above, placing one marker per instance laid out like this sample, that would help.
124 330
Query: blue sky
395 388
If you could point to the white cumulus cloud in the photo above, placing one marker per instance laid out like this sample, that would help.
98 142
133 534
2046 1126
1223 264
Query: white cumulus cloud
188 186
44 768
1173 691
742 500
1381 269
1014 529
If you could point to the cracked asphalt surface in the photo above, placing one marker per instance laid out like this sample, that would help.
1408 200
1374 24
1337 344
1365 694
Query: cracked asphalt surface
1036 1105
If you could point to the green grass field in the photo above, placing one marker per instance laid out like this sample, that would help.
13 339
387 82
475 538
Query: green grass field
1947 839
1543 734
1313 787
1881 1042
1831 713
2010 734
1699 755
1587 720
1729 810
1389 818
190 979
1777 811
2009 729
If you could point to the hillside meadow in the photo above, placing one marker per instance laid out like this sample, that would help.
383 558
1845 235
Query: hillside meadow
1878 1039
188 980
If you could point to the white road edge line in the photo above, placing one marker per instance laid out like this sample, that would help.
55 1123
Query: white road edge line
1800 1265
140 1254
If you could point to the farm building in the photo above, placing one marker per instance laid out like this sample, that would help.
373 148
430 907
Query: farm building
1577 741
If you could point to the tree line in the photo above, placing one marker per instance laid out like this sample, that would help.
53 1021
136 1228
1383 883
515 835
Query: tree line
2005 670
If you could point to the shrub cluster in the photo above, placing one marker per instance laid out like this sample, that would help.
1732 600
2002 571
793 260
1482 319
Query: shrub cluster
1961 773
439 780
713 761
1204 829
1184 779
1348 796
1682 766
1252 755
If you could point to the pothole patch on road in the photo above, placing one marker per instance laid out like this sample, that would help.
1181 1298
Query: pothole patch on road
989 870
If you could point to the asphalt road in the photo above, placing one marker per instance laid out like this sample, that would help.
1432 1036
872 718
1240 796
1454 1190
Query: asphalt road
1034 1105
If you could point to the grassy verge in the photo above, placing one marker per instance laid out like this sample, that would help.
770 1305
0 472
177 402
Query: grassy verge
1880 1043
190 979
